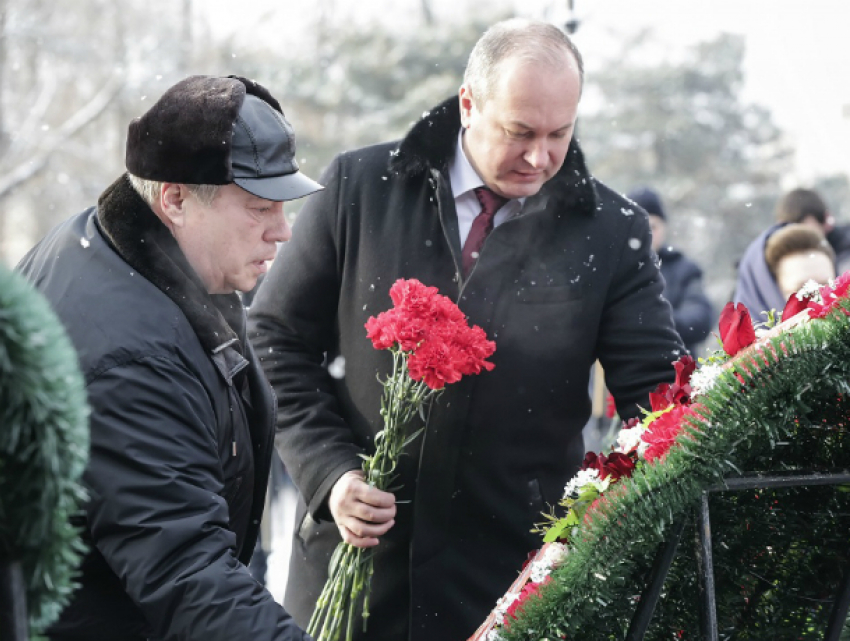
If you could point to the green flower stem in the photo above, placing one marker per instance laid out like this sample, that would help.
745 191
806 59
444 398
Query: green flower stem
351 569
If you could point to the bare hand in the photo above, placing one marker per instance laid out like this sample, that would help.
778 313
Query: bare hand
362 513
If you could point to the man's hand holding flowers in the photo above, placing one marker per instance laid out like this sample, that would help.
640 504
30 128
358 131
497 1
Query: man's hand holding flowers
361 512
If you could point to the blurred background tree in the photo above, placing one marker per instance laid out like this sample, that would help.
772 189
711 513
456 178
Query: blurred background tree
68 71
73 73
366 85
681 127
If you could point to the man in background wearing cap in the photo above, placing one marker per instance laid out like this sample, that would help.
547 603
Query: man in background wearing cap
182 418
692 311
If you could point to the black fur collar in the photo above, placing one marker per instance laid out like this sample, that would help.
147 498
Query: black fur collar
145 244
431 143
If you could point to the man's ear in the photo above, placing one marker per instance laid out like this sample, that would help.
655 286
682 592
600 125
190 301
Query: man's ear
465 96
172 202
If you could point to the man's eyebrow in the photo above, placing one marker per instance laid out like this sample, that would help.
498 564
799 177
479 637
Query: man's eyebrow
522 125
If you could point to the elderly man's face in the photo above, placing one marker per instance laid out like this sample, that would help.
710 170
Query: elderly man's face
230 242
518 139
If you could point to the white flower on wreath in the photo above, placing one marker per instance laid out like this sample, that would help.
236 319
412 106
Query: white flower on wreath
811 290
629 439
493 635
704 378
583 478
554 554
502 605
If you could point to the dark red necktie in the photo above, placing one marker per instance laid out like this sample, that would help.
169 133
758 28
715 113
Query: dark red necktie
481 226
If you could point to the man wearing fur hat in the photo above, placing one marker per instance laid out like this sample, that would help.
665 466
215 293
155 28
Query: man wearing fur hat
182 418
557 269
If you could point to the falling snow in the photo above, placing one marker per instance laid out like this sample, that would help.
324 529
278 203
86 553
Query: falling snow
337 367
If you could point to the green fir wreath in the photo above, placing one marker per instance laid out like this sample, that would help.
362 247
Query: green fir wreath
779 554
43 448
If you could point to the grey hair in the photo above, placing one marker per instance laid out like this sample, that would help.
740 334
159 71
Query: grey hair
150 190
517 38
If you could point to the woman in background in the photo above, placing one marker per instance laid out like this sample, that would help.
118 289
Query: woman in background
797 253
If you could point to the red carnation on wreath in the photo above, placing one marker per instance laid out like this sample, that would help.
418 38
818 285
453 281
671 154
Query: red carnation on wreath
831 296
530 589
662 433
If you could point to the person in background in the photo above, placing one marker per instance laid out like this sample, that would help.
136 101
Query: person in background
182 417
692 311
796 254
756 286
839 239
488 199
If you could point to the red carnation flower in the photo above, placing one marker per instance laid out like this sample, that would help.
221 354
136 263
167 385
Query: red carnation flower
529 590
662 433
831 297
658 400
432 330
413 297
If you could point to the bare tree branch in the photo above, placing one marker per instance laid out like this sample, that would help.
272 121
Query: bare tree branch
28 168
427 13
29 130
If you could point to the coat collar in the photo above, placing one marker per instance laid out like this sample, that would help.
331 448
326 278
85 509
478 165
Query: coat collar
145 244
430 144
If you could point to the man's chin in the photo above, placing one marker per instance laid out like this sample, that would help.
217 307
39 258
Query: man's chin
247 285
521 190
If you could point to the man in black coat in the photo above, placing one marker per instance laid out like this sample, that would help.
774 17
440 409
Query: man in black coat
692 311
566 276
182 418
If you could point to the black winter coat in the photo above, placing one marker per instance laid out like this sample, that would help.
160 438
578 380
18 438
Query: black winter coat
692 311
181 434
571 280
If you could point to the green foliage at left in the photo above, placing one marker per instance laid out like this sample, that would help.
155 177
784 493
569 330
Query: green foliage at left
43 448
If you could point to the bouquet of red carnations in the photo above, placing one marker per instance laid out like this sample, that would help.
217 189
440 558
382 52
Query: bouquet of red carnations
432 345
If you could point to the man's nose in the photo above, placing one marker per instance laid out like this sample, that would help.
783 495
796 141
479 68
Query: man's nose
537 154
279 231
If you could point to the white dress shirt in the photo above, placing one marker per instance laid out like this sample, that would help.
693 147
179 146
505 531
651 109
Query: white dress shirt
464 179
